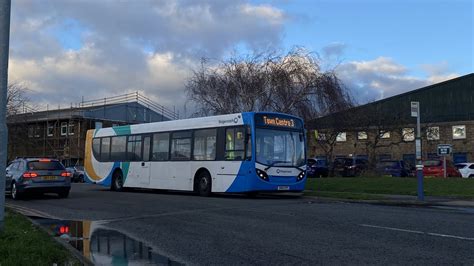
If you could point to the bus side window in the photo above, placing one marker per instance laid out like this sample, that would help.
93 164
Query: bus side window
146 148
134 148
205 145
248 144
96 148
118 148
181 145
105 149
234 144
160 149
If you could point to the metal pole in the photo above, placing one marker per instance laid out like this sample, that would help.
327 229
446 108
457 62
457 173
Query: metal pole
4 49
444 165
419 169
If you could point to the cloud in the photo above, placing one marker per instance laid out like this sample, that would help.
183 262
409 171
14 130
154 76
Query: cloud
383 77
335 49
67 49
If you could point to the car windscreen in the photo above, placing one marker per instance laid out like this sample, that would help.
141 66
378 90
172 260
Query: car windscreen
45 165
461 166
432 163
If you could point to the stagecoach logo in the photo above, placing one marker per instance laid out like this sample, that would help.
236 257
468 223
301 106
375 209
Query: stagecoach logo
283 171
235 120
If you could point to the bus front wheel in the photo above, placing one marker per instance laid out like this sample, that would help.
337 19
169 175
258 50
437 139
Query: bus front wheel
204 184
117 181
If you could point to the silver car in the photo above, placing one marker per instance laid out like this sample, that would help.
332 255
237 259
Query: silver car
38 175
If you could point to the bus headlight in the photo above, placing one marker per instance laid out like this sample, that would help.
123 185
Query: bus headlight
262 174
301 176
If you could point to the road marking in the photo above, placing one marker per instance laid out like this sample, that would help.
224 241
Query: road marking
417 232
30 212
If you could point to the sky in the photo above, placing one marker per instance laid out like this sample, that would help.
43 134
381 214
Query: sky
63 50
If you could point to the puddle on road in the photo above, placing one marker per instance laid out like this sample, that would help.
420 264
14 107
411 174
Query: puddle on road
103 246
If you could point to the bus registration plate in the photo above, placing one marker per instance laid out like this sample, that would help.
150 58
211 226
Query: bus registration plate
283 188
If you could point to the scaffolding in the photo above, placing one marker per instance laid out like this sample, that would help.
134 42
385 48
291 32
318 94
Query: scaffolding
30 127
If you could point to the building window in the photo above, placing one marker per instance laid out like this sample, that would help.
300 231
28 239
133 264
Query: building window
384 134
31 130
341 137
50 130
362 135
319 136
408 134
37 131
71 129
459 132
63 128
205 144
432 133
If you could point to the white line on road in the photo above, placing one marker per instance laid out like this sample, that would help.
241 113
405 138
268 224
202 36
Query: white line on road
30 212
417 232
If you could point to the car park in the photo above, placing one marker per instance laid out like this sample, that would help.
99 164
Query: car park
37 175
466 169
348 166
316 168
77 173
396 168
435 168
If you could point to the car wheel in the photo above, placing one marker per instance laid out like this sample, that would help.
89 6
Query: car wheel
117 181
204 184
63 194
14 192
471 176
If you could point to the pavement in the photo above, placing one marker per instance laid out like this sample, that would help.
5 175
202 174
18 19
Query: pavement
270 229
402 200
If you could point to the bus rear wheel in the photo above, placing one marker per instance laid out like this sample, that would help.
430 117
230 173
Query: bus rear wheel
204 184
117 181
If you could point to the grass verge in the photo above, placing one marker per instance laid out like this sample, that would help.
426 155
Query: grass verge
22 243
454 187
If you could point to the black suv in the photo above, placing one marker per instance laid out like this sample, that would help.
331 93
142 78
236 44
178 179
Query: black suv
40 175
348 166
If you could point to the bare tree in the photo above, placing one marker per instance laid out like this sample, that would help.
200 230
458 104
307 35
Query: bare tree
16 98
290 83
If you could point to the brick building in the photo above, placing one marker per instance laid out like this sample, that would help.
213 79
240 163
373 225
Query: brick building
385 129
61 132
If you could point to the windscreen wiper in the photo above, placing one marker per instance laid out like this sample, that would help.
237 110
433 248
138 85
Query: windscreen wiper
273 164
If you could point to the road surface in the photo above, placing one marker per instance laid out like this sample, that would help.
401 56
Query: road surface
235 229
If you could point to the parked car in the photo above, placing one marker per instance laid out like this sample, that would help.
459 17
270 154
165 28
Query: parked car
466 169
77 173
393 168
316 168
435 168
348 166
39 175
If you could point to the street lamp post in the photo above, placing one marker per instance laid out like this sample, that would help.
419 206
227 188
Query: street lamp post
4 47
415 112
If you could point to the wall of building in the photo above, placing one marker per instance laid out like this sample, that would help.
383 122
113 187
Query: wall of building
398 149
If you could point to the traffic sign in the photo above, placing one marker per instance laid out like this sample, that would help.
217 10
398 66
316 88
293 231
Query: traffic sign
415 109
444 149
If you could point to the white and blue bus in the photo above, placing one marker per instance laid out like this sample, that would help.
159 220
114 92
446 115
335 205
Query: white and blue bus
244 152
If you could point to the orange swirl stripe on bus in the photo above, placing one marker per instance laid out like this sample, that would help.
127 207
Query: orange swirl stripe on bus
88 157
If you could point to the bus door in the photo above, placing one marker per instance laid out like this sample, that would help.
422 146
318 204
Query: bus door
145 169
